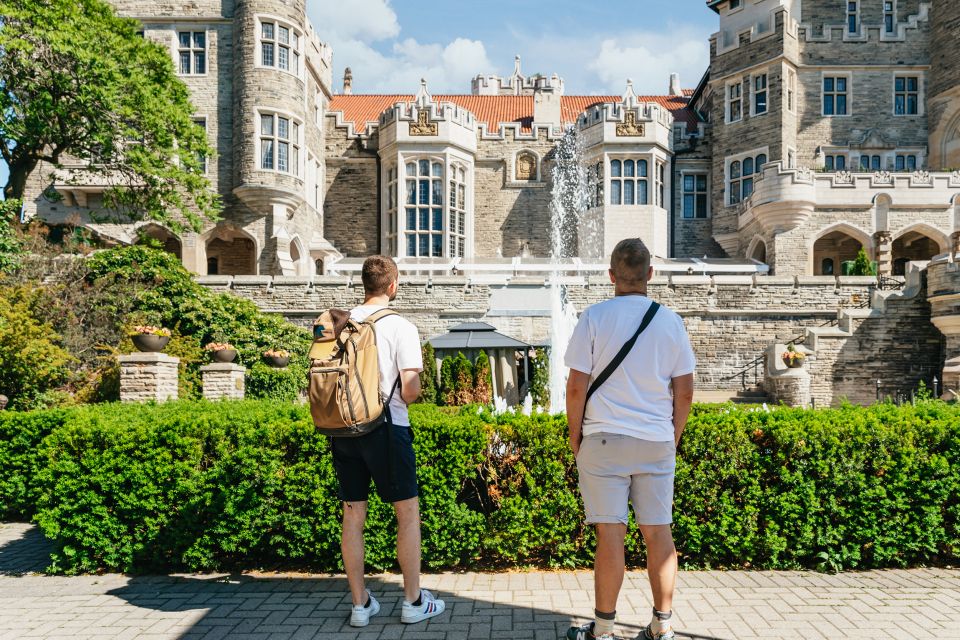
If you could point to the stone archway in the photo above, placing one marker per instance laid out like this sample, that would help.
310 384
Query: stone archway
757 250
836 245
230 252
166 238
916 243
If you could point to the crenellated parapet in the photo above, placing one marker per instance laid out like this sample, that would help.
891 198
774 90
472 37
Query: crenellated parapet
426 121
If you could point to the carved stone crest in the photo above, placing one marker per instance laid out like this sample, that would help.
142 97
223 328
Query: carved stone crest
804 173
955 178
843 177
882 177
526 167
423 126
630 126
921 177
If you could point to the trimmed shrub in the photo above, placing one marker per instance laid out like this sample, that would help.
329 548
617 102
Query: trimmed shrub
482 380
447 366
204 486
428 377
540 377
462 380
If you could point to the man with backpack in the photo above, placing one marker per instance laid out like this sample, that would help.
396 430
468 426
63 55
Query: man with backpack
385 453
628 397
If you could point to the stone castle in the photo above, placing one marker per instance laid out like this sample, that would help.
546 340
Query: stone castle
820 127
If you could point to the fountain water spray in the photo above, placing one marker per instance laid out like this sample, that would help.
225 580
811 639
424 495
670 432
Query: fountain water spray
570 200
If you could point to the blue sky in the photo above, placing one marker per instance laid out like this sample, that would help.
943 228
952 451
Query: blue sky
391 44
595 47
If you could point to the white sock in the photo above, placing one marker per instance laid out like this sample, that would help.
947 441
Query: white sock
604 623
660 623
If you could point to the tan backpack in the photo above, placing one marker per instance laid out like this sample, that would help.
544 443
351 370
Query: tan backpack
344 392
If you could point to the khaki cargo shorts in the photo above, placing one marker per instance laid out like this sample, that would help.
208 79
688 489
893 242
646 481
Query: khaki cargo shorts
615 469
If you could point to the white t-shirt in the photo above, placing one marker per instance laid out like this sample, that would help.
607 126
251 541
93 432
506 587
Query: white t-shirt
398 348
636 400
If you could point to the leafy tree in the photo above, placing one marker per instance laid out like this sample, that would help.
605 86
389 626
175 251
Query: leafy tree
862 266
31 361
10 244
482 380
78 83
462 380
428 377
446 381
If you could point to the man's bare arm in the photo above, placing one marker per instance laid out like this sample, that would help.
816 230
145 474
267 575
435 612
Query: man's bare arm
682 399
577 384
409 385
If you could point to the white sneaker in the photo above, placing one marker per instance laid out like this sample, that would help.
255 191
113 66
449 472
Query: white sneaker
428 608
360 615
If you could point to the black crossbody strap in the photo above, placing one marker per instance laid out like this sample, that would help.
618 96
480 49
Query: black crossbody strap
622 354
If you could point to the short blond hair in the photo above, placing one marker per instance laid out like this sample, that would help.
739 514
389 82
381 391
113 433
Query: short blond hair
630 261
378 273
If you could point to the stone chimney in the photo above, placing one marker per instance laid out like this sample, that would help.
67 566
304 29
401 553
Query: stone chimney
675 89
546 102
347 81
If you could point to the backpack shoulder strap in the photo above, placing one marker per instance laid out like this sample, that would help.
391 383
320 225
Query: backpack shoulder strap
376 316
624 350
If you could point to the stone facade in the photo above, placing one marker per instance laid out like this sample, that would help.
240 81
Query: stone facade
148 376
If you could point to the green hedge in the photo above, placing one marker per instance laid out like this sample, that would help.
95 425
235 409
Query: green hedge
201 486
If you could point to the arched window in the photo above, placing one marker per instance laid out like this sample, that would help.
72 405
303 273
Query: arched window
628 181
741 176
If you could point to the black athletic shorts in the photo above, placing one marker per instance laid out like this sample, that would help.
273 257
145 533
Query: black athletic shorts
385 456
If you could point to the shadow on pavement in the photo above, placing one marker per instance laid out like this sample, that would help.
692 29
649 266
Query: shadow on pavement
23 550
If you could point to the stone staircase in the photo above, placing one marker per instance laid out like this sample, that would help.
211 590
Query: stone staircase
752 395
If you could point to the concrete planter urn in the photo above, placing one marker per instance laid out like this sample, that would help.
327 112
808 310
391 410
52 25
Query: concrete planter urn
277 358
150 339
793 358
221 351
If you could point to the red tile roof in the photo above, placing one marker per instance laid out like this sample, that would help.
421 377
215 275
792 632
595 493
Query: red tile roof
494 110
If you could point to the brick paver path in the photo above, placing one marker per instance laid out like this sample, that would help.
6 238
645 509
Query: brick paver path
923 603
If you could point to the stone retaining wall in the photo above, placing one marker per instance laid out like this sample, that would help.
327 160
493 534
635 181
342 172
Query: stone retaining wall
731 319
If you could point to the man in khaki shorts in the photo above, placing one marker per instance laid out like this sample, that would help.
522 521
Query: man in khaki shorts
632 360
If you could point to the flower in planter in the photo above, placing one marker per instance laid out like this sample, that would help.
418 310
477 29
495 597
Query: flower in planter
791 355
276 353
150 330
218 346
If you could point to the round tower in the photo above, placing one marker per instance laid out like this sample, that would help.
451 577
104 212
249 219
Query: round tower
943 88
269 77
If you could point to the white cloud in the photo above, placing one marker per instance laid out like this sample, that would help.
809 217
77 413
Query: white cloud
354 32
649 59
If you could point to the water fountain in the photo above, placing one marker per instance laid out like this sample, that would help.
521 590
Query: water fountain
570 200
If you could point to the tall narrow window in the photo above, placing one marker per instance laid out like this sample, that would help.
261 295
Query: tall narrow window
280 47
660 183
853 17
695 196
889 17
760 94
202 157
423 228
734 102
628 181
906 95
835 96
193 52
458 211
791 89
835 162
906 162
279 143
870 163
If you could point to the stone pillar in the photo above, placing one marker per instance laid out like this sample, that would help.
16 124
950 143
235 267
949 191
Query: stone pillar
789 386
955 242
148 376
883 241
223 380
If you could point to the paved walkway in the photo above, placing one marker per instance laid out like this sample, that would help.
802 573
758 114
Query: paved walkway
923 603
